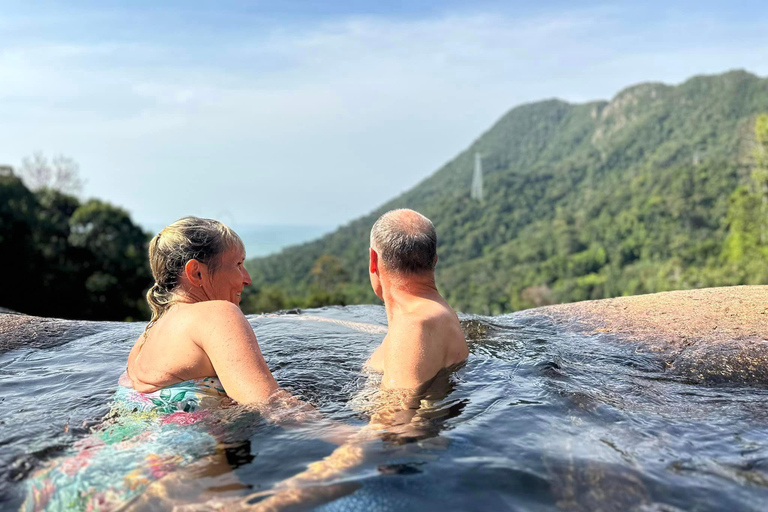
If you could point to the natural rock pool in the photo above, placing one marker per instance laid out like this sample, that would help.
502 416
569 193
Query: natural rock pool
539 418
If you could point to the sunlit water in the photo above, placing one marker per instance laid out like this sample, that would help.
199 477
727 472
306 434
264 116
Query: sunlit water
537 419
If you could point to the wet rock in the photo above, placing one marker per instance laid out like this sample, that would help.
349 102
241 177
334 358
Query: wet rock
18 330
474 329
712 335
590 486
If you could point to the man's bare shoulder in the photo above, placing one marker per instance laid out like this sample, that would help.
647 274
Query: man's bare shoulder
426 338
433 314
442 313
430 322
443 327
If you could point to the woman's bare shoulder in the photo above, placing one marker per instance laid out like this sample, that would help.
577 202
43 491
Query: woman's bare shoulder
210 312
193 322
220 306
216 320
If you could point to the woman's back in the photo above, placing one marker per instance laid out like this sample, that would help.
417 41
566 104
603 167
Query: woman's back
204 339
168 353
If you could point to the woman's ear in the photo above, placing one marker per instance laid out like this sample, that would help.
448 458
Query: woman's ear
194 271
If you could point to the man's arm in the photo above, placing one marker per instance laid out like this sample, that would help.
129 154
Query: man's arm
410 357
321 482
376 361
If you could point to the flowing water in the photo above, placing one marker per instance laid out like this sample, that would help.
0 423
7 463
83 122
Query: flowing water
537 419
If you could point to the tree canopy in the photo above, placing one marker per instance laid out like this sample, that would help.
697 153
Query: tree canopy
69 259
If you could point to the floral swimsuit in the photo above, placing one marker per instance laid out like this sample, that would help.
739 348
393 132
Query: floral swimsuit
144 437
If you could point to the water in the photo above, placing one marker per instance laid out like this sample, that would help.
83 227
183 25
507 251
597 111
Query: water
537 419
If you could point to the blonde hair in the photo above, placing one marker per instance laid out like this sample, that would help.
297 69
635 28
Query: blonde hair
189 238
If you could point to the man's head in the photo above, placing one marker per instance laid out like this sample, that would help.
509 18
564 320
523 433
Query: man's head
403 242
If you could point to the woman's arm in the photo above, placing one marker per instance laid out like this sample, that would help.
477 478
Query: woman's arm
230 344
228 340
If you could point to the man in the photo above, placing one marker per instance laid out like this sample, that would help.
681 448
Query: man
424 335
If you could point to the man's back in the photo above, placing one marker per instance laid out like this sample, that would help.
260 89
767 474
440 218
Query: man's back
424 333
424 337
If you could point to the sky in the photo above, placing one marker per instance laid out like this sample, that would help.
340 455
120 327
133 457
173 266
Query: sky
314 113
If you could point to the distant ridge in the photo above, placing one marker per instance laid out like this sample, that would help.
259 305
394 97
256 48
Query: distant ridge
582 201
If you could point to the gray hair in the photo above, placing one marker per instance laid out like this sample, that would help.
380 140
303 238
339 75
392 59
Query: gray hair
406 242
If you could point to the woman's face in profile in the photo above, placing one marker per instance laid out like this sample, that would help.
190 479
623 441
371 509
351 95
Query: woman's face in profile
231 277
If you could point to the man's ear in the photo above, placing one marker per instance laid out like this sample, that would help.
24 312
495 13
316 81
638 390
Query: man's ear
435 258
373 265
194 271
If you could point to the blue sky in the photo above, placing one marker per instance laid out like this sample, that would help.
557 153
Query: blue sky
298 112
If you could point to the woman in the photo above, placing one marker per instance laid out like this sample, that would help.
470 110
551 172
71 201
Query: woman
197 350
197 330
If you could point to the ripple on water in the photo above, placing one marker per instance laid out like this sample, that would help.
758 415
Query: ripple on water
537 419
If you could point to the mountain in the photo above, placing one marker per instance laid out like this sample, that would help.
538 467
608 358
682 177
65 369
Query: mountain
581 201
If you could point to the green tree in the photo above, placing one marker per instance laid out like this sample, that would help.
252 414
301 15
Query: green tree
328 273
328 278
18 255
117 268
265 300
760 173
69 260
747 242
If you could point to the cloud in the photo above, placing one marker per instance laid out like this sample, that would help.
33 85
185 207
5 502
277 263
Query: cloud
322 122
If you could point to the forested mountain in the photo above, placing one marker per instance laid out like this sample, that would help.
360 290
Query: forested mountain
657 189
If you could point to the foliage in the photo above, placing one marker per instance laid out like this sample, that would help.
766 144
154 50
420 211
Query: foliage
746 246
649 192
117 257
67 259
18 258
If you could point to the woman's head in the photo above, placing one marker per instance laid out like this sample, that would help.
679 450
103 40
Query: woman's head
195 253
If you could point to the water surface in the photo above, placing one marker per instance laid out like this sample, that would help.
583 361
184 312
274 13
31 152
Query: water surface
537 419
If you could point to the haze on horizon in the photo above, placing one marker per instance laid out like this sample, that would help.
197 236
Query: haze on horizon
296 113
